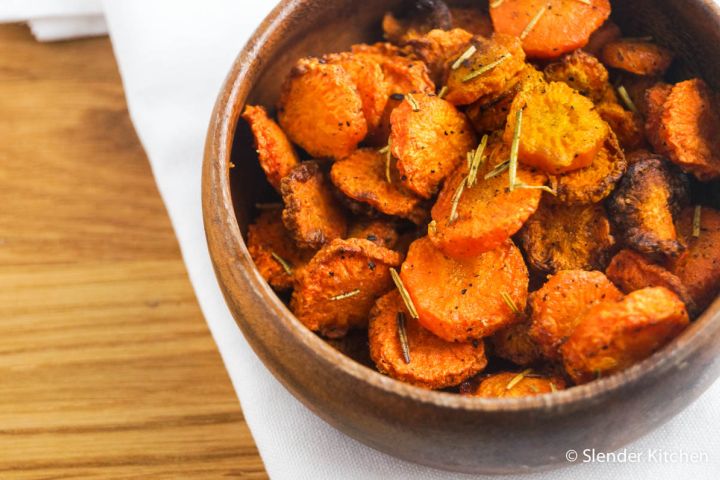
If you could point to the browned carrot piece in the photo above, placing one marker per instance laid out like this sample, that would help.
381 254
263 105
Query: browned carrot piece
429 138
438 47
522 384
362 176
558 306
567 237
613 336
472 20
699 267
380 232
608 32
655 98
488 72
485 215
550 28
581 71
332 131
628 126
462 301
276 155
515 344
637 57
690 129
274 252
631 271
415 19
431 361
311 213
337 289
561 131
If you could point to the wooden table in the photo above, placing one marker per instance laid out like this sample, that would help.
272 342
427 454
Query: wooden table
107 368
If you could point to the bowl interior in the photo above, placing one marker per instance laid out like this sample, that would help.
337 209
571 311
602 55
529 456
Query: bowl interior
322 27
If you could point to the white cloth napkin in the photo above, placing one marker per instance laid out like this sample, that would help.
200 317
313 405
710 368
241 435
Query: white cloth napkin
173 56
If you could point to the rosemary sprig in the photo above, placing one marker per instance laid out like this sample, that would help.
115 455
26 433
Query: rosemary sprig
509 301
413 102
625 97
402 336
533 22
443 91
283 263
404 293
486 68
544 188
469 157
456 200
697 218
512 175
475 161
517 379
345 295
384 150
467 54
498 170
388 161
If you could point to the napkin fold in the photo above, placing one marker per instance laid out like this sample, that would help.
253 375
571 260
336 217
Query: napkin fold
173 56
52 20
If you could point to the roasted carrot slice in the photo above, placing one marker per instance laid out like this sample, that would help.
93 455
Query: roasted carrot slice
472 20
628 126
522 384
461 301
655 98
362 176
558 306
581 71
699 266
643 207
637 57
431 361
690 129
487 69
561 131
594 183
438 47
337 289
485 215
631 271
608 32
567 237
415 19
276 154
429 138
550 28
514 343
311 213
274 252
381 232
368 77
613 336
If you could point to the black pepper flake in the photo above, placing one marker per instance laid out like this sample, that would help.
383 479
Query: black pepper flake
463 291
372 237
371 265
397 96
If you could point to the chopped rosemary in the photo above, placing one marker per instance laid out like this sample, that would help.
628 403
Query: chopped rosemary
456 200
388 162
506 298
269 206
498 170
533 22
284 264
625 97
472 49
697 217
517 379
553 387
384 150
345 295
402 335
404 293
496 3
432 227
486 68
512 167
413 102
586 2
476 161
469 157
443 91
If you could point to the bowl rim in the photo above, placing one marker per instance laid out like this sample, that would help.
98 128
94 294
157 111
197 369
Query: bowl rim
225 241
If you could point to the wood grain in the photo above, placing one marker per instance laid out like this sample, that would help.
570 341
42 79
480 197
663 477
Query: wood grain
107 368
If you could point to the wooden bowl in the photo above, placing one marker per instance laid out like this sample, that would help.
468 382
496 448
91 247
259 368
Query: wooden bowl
441 430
